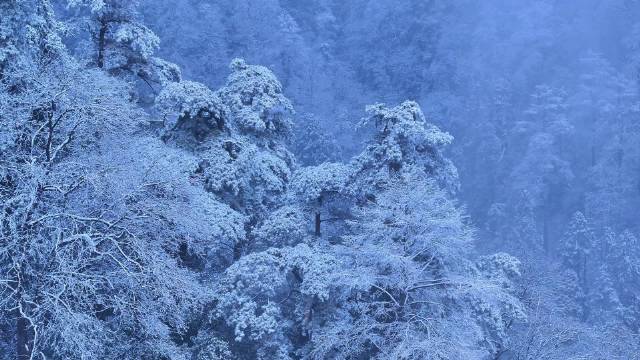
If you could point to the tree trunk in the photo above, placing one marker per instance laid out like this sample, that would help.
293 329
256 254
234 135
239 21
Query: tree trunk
318 220
23 337
237 250
23 350
101 43
317 223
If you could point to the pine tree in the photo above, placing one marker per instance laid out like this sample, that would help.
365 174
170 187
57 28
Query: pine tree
577 245
383 287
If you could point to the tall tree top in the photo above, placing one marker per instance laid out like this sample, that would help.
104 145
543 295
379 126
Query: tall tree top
256 102
404 142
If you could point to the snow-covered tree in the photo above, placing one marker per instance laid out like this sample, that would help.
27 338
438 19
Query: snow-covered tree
121 44
239 134
319 191
192 108
92 216
542 172
270 298
79 259
402 142
256 102
577 246
385 286
409 262
624 263
28 29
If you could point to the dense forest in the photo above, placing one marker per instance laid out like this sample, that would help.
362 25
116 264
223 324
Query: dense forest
320 179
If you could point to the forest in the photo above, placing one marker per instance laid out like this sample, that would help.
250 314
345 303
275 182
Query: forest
320 179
